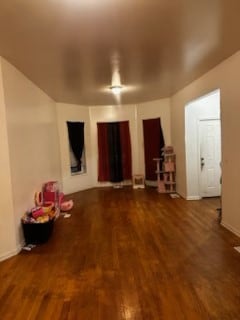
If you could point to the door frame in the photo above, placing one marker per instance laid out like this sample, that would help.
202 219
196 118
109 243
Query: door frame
205 107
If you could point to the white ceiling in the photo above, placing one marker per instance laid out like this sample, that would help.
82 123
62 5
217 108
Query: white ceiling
66 46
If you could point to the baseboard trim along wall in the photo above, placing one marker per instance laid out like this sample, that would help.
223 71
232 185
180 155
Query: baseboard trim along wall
194 198
10 254
230 228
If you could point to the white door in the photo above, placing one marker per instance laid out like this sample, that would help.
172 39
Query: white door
210 158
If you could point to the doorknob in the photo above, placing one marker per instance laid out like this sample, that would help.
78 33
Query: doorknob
202 163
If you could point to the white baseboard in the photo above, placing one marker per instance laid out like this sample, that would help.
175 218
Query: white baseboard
230 228
151 183
10 254
111 184
194 198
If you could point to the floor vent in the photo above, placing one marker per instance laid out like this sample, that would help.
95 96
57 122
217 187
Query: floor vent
237 248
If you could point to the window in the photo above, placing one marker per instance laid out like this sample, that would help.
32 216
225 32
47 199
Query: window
76 147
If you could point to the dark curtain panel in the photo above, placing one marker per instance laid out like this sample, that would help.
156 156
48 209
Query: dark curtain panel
76 139
153 143
103 154
126 150
114 152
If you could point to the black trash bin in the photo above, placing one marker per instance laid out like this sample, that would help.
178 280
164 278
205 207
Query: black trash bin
37 233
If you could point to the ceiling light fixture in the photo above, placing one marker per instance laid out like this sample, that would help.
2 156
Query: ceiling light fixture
116 89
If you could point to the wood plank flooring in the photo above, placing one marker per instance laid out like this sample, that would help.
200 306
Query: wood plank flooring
127 255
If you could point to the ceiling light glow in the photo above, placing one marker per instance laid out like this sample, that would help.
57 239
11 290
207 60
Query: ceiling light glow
116 89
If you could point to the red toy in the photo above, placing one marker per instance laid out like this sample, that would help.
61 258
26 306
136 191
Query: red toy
50 196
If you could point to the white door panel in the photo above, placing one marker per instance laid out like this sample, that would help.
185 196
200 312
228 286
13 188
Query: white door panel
210 158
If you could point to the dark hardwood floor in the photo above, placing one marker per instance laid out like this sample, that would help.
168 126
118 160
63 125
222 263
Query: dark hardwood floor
131 255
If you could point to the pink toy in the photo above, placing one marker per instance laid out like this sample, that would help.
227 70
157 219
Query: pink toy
66 205
50 198
51 186
50 193
37 212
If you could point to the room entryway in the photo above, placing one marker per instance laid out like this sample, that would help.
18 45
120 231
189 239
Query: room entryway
203 146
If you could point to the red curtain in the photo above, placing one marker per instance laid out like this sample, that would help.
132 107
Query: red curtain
103 156
126 150
153 143
114 142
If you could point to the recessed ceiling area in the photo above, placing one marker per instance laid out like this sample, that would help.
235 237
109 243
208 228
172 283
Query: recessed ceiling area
66 46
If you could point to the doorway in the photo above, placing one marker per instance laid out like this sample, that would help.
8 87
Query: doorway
203 146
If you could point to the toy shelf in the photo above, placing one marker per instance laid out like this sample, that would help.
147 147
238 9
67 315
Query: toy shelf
166 171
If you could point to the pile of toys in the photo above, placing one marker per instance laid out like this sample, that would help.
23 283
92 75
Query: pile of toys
40 214
48 204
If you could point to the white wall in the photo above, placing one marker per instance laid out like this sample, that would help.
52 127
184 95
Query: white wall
207 107
32 137
7 226
225 76
69 112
